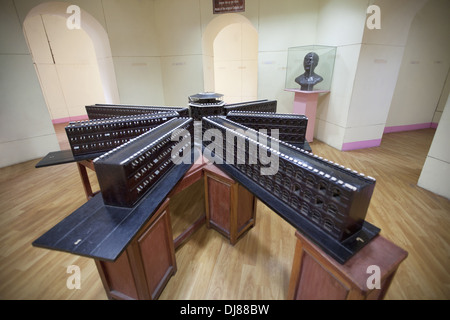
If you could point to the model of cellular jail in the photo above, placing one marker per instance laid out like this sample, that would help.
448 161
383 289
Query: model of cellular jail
100 111
333 197
291 127
206 104
210 104
256 106
330 196
127 172
101 135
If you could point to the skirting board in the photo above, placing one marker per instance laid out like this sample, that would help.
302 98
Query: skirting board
410 127
361 144
347 146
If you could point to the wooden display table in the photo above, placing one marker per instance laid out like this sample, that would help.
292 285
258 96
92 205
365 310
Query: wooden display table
83 162
230 208
82 165
148 262
185 192
143 269
133 248
316 276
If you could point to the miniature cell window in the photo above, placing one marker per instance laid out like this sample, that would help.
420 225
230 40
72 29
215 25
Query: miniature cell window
316 217
298 175
295 202
296 188
289 170
328 224
278 179
262 181
305 209
332 209
310 181
287 183
277 191
336 193
307 195
322 186
319 201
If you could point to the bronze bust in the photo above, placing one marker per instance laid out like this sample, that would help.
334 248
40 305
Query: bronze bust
308 79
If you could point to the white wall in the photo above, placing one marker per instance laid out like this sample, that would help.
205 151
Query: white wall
132 31
236 63
424 68
26 131
126 45
178 26
442 100
66 64
435 175
366 69
281 25
340 24
378 68
157 48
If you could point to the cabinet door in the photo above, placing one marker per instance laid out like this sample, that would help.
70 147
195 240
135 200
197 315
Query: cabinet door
118 278
317 283
144 268
219 204
245 209
157 253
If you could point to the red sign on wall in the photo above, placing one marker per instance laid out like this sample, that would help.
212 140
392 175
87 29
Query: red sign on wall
227 6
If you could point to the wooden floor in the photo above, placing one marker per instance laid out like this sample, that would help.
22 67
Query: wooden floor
258 266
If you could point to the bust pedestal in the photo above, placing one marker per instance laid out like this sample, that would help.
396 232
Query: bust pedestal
305 102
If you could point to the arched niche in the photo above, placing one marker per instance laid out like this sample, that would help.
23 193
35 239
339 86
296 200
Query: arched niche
235 36
57 11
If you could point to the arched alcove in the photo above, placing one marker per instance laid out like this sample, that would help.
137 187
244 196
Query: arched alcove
74 66
230 57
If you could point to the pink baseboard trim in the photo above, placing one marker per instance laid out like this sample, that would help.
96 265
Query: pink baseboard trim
69 119
361 144
411 127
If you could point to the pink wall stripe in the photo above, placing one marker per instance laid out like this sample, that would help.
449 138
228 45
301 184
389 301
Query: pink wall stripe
377 142
361 144
68 119
410 127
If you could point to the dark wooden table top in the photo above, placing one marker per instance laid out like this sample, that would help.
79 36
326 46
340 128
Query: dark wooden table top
102 232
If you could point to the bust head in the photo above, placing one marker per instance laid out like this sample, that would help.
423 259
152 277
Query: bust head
310 61
308 79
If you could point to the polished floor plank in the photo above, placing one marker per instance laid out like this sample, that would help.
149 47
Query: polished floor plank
258 266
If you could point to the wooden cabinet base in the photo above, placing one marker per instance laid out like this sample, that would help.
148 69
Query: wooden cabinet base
230 208
367 275
146 265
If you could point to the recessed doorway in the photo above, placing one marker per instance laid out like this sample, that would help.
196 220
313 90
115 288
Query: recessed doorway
74 66
230 48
